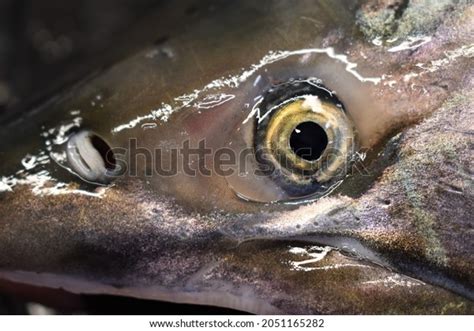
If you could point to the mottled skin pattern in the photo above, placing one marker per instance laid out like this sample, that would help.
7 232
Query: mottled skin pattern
403 235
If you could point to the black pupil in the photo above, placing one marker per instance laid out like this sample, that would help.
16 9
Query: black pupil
308 140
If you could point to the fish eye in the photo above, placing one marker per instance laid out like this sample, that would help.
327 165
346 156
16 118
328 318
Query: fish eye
308 140
305 140
90 157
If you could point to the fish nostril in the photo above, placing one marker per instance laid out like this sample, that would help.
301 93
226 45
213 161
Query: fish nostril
104 151
91 157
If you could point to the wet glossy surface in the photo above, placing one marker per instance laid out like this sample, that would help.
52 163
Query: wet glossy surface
380 237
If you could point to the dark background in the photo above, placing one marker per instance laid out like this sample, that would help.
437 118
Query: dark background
46 45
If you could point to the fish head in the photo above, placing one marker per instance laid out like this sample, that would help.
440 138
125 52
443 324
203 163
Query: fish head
174 174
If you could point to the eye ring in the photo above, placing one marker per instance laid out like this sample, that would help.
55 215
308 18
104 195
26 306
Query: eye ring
327 116
289 105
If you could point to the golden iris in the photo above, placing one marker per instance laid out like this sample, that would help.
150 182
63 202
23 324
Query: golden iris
326 144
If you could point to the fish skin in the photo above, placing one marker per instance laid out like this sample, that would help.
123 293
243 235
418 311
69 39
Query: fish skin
409 224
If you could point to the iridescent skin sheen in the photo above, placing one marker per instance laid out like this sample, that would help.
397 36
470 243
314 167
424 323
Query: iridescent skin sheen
399 240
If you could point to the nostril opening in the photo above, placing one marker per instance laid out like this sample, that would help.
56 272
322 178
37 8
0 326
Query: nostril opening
104 151
91 157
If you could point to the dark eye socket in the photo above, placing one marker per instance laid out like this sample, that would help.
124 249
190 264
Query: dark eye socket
306 140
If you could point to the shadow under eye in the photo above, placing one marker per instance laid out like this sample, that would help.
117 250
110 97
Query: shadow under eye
363 175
